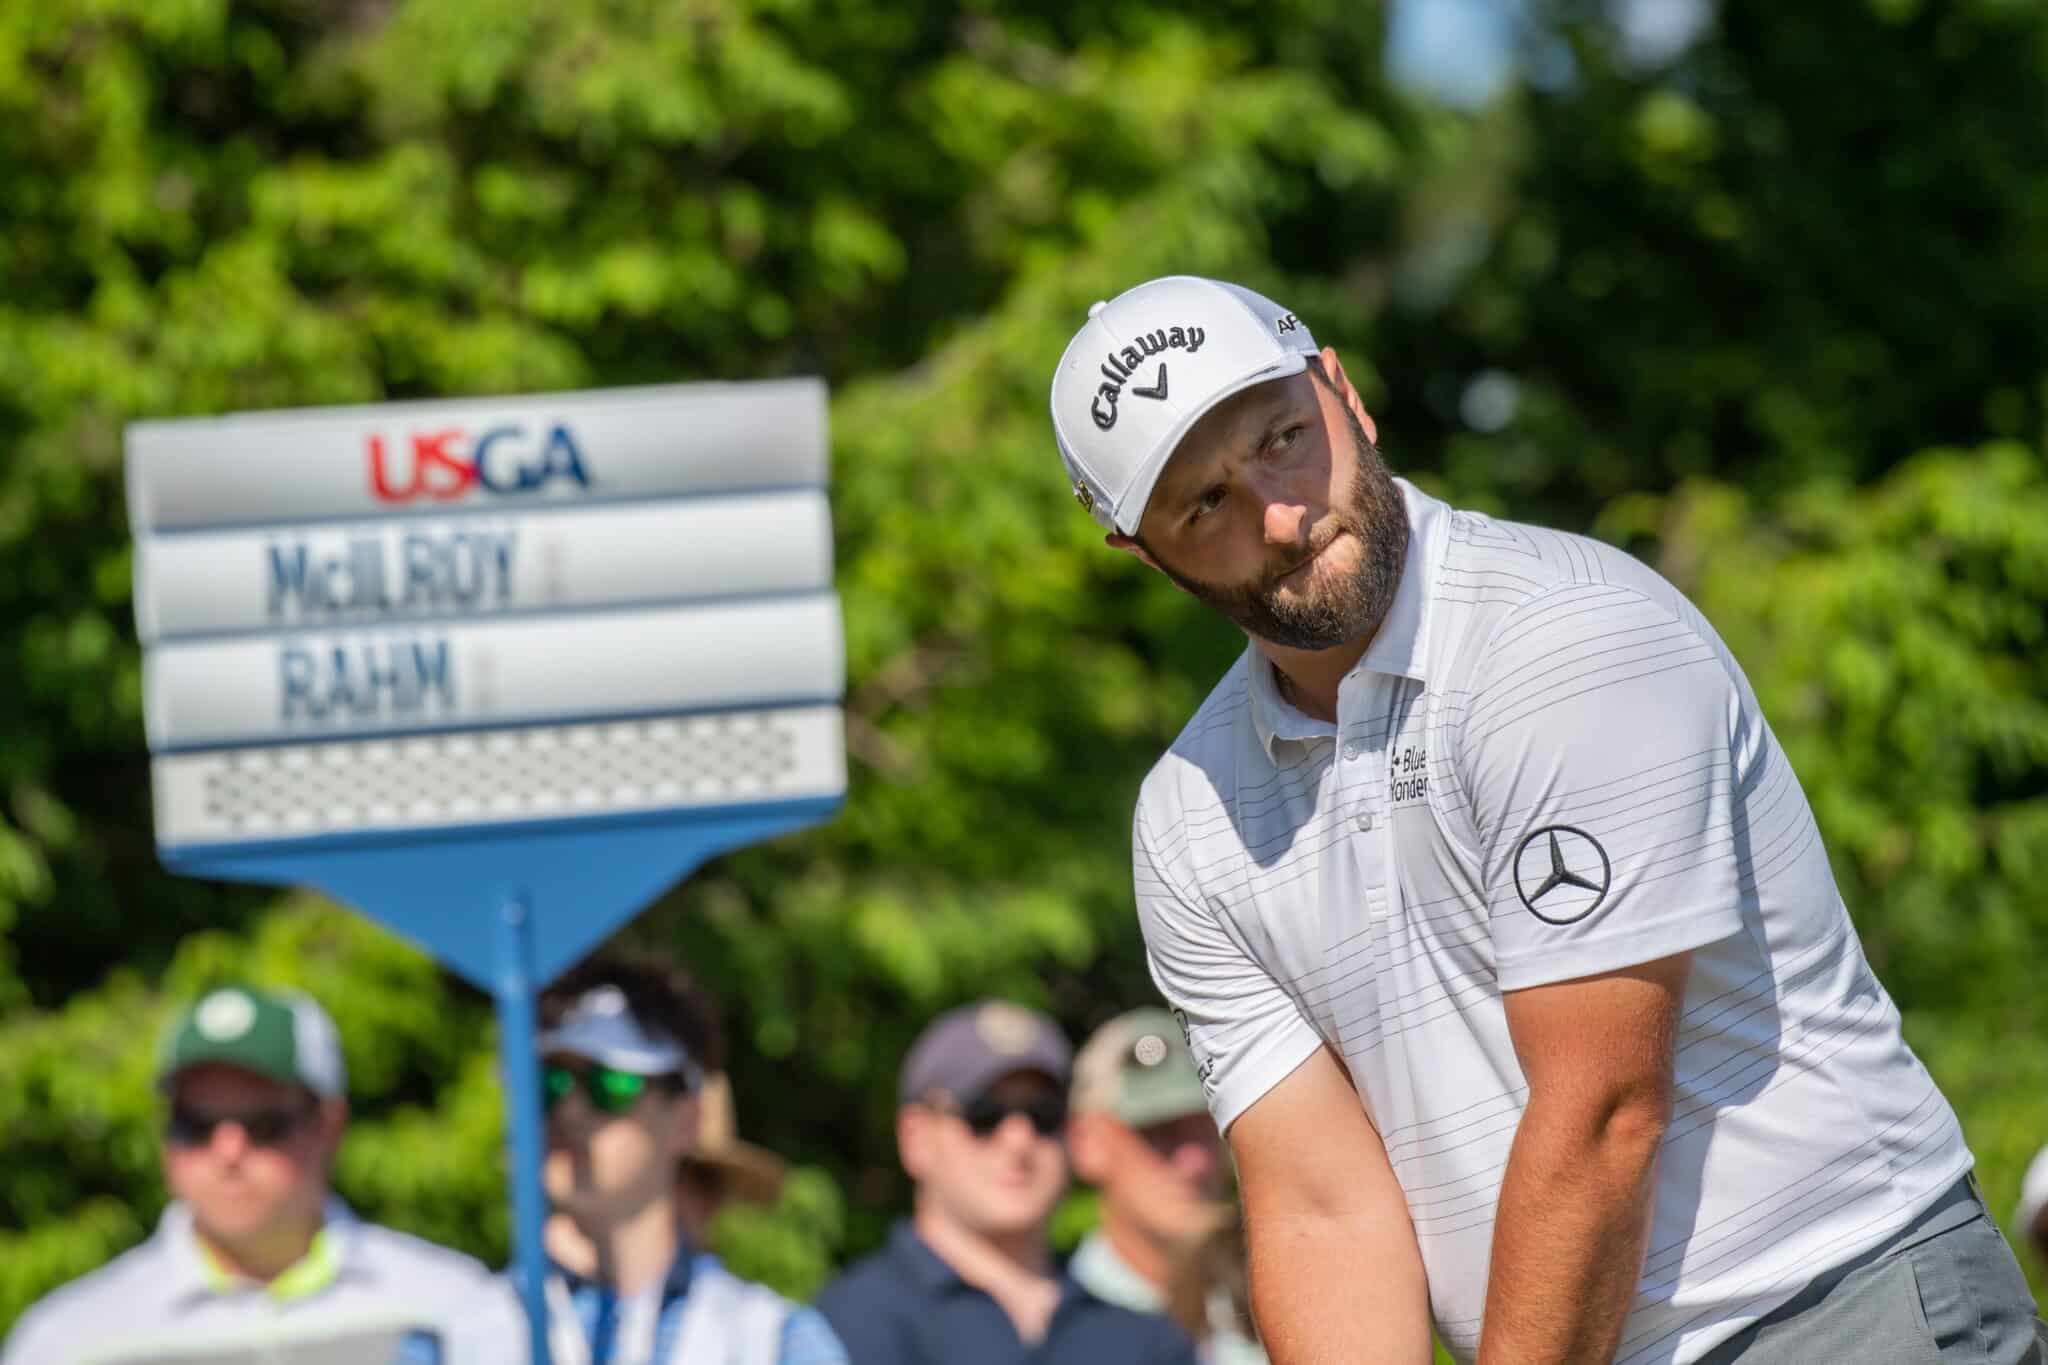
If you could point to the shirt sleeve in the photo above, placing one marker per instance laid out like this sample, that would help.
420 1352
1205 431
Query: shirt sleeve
1246 1032
1604 747
489 1326
807 1339
30 1340
86 1315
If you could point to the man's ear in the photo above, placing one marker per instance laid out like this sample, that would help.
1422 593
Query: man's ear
913 1140
333 1121
1341 382
681 1136
1116 540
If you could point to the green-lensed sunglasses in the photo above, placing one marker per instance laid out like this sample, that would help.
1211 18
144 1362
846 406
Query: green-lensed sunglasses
609 1091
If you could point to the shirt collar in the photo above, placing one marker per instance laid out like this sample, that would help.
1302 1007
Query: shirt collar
193 1272
1109 1277
919 1261
923 1267
674 1285
1398 647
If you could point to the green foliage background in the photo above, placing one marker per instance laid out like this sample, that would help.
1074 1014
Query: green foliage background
1774 315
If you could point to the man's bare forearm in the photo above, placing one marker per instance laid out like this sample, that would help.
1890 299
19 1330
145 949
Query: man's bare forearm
1323 1297
1569 1235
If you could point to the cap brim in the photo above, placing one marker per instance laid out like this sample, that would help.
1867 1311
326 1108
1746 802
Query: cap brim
1130 509
201 1057
749 1172
620 1046
981 1078
1144 1111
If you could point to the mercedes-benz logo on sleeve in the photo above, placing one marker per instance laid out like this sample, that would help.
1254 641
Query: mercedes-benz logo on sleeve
1561 874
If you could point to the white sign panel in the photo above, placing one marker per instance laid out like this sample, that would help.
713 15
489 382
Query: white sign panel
420 615
426 459
396 681
348 573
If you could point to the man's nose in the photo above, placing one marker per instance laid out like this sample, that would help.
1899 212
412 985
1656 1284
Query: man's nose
1016 1132
569 1119
230 1141
1285 516
1195 1159
1286 520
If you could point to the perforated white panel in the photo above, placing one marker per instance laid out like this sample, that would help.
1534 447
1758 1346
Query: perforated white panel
494 776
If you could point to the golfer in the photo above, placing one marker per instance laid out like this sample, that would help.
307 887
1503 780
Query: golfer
1498 924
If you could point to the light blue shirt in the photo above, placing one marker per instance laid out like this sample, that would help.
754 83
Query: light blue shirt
738 1310
1106 1275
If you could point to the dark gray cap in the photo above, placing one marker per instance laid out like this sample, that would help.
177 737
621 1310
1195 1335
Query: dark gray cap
966 1050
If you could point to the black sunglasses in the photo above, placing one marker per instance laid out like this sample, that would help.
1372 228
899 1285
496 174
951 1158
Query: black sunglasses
985 1114
271 1126
609 1091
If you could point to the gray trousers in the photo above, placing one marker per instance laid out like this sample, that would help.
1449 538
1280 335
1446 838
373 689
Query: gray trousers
1946 1291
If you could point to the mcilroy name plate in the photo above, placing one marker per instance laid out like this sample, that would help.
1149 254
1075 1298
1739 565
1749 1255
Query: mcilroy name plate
335 574
322 593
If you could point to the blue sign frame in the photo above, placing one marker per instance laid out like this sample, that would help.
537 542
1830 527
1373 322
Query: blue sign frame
662 629
509 908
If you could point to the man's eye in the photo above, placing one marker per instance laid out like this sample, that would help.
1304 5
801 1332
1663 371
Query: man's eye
1207 503
1287 438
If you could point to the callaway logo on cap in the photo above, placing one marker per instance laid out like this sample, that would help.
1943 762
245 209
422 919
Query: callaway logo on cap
1145 367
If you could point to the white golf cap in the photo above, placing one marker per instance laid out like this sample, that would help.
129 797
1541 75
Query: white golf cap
1145 367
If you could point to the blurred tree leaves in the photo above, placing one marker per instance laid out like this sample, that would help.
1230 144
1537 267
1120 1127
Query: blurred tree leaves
1805 248
1713 306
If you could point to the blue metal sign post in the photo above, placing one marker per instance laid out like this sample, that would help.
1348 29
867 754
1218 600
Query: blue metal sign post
515 989
494 672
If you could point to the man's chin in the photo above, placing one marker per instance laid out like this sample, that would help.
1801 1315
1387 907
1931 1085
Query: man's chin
1014 1212
236 1225
1310 631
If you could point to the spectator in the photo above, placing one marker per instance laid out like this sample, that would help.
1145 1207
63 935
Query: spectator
2031 1223
1141 1134
970 1277
1210 1294
720 1166
255 1259
626 1049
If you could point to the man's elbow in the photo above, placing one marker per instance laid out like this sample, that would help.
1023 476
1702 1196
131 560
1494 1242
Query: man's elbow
1300 1209
1632 1124
1619 1127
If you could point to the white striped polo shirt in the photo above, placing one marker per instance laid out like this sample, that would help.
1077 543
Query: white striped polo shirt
1546 765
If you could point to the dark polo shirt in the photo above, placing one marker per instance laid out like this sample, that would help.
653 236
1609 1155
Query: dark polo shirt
905 1306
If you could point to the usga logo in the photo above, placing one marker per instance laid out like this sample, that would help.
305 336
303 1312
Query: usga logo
444 465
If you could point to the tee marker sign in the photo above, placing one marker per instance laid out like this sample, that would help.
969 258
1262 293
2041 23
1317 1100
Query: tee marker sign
496 672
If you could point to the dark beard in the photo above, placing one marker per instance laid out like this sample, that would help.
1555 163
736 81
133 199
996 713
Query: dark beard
1350 610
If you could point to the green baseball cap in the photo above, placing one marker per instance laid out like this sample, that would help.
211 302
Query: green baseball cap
1138 1068
282 1035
